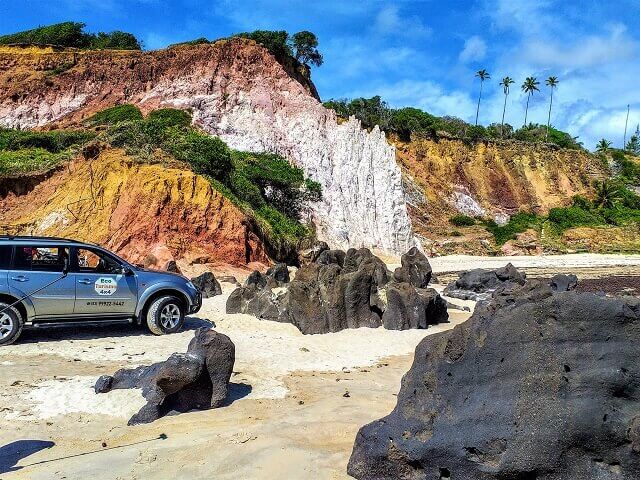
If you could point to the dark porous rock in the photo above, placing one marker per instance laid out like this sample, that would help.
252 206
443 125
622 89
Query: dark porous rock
415 269
343 290
196 380
311 255
207 284
410 307
256 279
172 266
328 257
479 284
536 384
279 274
563 283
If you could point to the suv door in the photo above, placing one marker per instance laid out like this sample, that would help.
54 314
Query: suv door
102 289
37 271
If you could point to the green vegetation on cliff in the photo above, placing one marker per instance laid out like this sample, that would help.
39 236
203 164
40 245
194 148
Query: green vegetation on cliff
266 186
409 121
24 152
72 34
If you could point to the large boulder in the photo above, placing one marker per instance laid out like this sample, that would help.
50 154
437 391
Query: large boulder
479 284
196 380
410 307
345 290
207 284
536 385
415 269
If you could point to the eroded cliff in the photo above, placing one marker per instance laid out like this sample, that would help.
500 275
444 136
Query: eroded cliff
236 90
445 177
148 213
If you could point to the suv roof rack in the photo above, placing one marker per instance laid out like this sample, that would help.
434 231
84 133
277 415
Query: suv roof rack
36 238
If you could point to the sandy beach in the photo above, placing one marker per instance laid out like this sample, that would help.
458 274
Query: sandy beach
295 406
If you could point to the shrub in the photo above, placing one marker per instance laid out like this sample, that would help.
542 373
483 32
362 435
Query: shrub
115 40
68 34
55 141
170 117
71 34
518 223
571 217
117 114
28 160
246 190
206 155
462 220
274 41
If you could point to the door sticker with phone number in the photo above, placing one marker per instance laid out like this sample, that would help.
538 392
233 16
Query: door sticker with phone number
106 286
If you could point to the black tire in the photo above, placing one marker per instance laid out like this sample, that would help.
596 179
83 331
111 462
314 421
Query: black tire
165 315
11 324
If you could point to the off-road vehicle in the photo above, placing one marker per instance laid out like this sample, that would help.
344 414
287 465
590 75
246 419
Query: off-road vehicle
54 281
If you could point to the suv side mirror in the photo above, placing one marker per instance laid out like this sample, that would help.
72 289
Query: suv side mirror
126 271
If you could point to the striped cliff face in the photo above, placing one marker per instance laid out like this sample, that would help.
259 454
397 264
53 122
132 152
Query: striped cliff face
238 91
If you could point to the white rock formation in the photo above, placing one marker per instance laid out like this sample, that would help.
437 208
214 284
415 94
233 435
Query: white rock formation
237 91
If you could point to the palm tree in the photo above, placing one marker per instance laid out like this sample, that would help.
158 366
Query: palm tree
483 75
607 194
505 83
529 86
603 146
551 82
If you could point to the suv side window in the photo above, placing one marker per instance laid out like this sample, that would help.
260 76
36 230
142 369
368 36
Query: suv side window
5 257
91 261
41 259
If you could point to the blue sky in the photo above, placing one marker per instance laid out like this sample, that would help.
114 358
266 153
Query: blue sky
419 53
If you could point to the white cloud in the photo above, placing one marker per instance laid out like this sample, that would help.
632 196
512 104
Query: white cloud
389 22
475 49
587 51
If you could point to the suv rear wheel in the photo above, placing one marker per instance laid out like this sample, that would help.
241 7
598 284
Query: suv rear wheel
165 315
10 324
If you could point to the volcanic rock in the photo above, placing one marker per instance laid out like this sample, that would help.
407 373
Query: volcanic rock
415 269
479 284
563 283
343 290
536 384
207 284
196 380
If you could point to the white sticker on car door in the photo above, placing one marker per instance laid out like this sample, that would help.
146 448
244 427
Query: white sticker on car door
106 286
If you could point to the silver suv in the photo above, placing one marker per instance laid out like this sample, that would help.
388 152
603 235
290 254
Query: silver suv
54 281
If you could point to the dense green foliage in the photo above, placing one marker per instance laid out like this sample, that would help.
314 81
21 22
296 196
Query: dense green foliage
613 204
301 47
462 220
24 152
517 223
412 121
72 34
264 184
114 115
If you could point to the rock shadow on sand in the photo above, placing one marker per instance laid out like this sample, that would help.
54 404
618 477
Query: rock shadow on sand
12 453
86 332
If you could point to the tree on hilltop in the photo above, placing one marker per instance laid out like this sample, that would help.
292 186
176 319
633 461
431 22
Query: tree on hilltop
529 86
505 84
551 82
305 46
483 75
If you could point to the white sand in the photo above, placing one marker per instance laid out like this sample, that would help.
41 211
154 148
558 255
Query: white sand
266 352
454 263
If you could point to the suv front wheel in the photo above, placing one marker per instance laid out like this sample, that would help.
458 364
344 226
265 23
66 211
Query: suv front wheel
165 315
10 324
